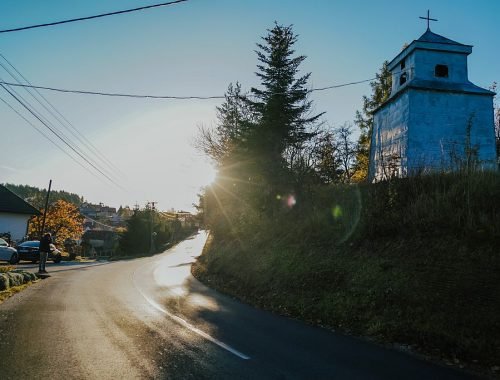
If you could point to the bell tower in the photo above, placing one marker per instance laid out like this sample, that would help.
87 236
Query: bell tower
434 115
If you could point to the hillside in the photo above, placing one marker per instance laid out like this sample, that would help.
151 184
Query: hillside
412 262
36 196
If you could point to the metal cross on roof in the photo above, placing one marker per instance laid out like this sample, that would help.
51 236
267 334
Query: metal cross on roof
428 18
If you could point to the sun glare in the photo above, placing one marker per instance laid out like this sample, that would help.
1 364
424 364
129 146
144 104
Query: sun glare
208 173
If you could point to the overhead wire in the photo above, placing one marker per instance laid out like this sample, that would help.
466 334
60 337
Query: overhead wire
195 97
48 138
31 86
27 105
39 114
78 135
45 120
84 92
92 17
64 122
59 137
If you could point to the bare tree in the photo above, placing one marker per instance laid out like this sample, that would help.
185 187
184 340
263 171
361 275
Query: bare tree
346 151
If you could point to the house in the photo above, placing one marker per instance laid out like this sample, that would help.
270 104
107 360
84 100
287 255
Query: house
15 214
435 118
99 242
96 211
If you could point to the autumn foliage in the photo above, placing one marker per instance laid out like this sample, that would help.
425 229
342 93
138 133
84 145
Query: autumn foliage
63 221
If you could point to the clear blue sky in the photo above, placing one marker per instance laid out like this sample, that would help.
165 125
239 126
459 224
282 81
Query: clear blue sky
197 48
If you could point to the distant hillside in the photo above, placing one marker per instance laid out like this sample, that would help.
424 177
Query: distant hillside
36 196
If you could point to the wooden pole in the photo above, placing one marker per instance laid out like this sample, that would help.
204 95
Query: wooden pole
45 210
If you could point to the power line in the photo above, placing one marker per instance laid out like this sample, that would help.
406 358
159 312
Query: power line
341 85
113 94
44 121
64 123
92 17
142 96
59 137
47 137
39 114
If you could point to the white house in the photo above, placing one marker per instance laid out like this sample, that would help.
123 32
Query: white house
435 117
15 214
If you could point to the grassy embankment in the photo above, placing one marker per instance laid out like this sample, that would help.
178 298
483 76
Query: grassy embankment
414 261
13 281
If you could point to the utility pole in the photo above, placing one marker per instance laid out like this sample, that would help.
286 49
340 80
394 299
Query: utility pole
45 210
151 233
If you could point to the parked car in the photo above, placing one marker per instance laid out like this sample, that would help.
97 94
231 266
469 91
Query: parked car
30 250
8 253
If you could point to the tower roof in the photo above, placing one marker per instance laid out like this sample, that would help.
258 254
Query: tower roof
432 37
431 41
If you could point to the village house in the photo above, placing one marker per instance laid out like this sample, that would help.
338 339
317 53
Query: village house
15 214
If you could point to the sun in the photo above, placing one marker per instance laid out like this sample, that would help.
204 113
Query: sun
205 173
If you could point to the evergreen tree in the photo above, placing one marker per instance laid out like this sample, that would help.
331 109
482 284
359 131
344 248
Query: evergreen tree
36 196
381 90
136 239
233 118
281 109
227 146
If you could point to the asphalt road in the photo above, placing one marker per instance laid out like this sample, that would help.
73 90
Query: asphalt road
150 319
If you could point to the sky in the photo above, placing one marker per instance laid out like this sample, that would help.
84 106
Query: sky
194 48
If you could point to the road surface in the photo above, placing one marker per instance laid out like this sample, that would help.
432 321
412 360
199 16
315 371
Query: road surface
149 318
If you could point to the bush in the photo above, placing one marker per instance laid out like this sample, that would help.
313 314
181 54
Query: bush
4 281
15 279
27 276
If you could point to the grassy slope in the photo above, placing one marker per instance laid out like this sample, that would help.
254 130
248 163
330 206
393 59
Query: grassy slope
420 266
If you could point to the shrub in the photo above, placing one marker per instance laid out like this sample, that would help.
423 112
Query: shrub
27 276
15 279
4 281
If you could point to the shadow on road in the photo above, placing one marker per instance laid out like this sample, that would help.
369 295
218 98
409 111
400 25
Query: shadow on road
62 267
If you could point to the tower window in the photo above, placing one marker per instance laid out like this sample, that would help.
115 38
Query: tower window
441 71
402 79
403 64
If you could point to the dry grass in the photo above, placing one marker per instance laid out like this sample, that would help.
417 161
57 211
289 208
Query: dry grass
12 290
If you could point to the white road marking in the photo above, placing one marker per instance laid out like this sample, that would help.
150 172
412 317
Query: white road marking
188 325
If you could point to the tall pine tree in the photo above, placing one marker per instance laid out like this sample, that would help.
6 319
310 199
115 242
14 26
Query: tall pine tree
282 110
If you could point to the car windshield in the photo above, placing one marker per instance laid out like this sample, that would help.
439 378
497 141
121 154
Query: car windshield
3 243
30 244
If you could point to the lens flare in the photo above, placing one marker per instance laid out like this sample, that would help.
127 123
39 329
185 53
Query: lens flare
337 212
